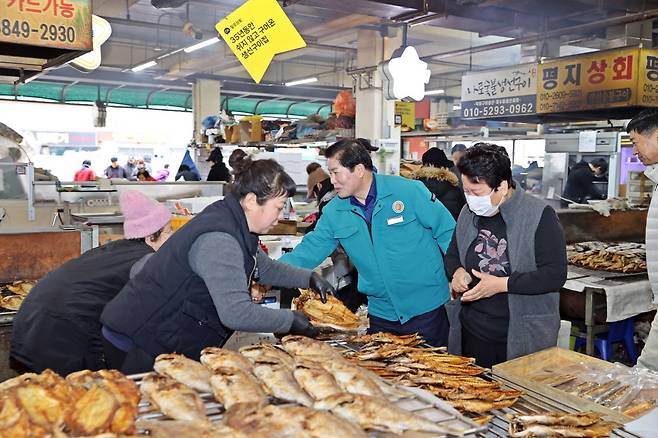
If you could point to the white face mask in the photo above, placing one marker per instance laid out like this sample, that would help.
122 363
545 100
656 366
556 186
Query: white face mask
651 172
481 205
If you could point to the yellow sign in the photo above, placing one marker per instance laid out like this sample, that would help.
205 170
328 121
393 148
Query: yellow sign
61 24
256 31
599 80
647 81
405 113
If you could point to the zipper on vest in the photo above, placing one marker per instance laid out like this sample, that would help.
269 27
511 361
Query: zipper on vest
251 276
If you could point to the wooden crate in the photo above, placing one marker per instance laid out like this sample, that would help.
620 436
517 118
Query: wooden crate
518 371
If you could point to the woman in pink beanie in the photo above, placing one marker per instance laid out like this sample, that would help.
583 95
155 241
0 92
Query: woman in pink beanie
58 325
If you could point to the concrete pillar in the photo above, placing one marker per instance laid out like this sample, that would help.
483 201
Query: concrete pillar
205 102
374 113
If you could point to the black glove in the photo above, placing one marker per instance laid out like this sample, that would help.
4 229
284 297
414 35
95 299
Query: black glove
302 326
321 286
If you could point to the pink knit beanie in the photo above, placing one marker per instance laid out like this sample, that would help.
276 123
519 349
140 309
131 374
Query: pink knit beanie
142 215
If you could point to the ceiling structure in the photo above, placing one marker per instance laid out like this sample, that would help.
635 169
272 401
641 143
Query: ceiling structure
443 31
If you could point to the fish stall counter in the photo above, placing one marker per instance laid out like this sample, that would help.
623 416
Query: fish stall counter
26 255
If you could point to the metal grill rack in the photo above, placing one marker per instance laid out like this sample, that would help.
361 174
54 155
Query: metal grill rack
528 404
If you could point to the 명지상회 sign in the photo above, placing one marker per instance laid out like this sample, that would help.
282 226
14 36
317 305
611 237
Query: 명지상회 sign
256 31
599 80
500 93
61 24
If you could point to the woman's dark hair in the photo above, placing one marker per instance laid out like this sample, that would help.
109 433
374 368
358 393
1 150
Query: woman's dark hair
644 121
600 163
437 158
235 157
151 237
265 178
143 172
312 167
486 162
350 153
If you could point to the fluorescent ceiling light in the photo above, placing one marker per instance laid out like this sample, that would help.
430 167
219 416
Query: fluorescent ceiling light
301 81
201 45
144 66
432 92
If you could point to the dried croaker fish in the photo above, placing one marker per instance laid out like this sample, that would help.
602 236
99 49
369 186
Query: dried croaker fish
184 370
267 353
231 387
377 414
215 357
174 399
281 383
315 380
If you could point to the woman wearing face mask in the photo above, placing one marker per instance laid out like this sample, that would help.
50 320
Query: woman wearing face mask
507 260
194 292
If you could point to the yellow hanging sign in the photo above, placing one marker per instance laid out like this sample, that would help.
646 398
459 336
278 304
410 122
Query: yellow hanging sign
256 31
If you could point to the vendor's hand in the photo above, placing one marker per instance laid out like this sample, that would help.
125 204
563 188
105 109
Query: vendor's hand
321 286
460 281
488 286
302 326
258 292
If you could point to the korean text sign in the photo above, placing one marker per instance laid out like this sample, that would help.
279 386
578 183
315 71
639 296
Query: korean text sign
62 24
256 31
407 113
599 80
647 81
500 93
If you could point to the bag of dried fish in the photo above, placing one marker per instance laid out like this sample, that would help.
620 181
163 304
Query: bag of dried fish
586 424
332 314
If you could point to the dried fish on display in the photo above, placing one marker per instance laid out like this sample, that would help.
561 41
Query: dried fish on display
215 357
173 399
232 387
187 371
281 383
267 353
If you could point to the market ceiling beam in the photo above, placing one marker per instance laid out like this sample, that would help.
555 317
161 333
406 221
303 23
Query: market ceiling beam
555 33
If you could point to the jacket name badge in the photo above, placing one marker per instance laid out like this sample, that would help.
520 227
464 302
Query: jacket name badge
395 220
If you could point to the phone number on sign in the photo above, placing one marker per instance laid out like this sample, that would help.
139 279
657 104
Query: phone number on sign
46 32
499 110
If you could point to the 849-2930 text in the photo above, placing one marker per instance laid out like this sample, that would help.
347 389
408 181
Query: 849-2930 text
46 32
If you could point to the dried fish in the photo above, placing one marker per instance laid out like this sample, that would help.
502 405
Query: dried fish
231 387
267 353
310 349
281 383
179 428
184 370
214 357
377 414
353 379
637 408
173 399
332 313
315 380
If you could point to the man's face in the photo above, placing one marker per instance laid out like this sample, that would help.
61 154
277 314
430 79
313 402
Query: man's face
115 164
645 146
346 182
457 156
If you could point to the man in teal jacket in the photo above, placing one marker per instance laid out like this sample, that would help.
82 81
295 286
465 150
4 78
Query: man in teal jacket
395 233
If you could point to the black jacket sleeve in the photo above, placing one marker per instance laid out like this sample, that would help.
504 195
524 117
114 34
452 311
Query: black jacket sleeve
451 259
550 257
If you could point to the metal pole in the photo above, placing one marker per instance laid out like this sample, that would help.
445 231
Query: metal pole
31 211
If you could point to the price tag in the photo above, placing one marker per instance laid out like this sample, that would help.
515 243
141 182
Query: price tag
256 31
